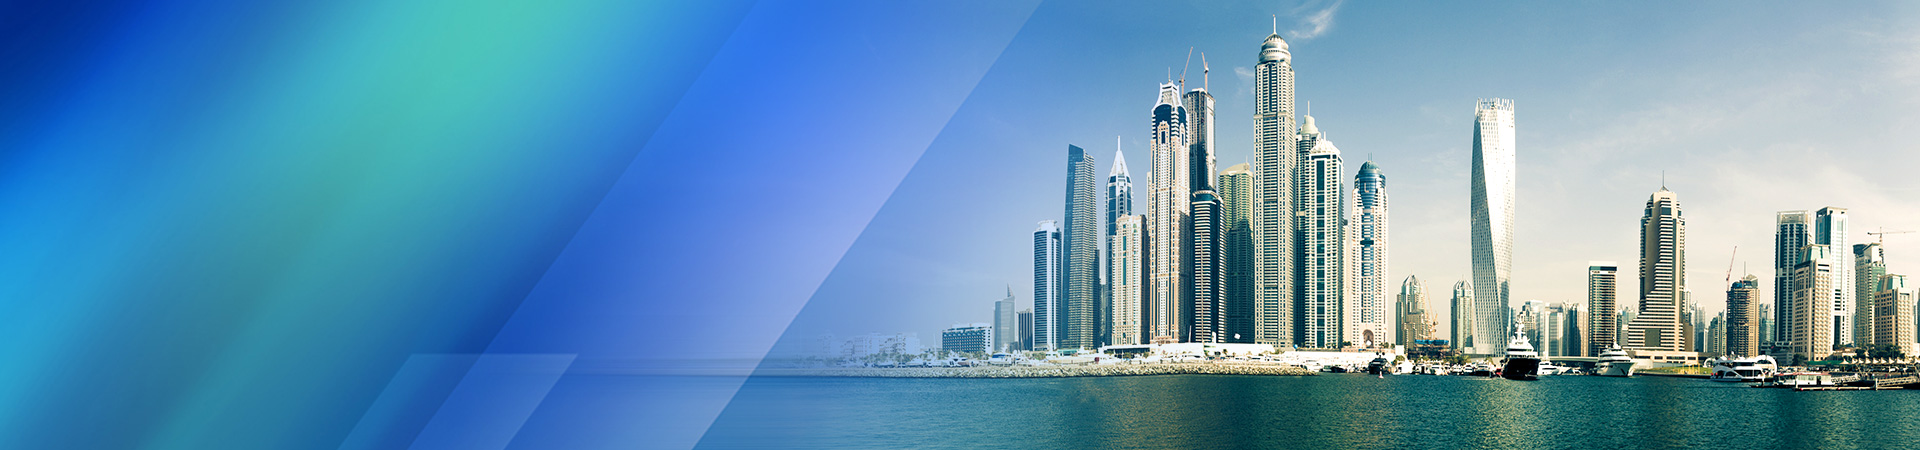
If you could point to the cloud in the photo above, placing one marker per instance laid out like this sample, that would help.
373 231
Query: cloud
1245 75
1316 23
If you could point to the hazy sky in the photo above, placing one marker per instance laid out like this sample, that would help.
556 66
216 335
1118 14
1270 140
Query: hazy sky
1747 109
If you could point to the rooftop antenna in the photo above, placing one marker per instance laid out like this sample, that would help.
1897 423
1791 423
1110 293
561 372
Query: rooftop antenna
1663 180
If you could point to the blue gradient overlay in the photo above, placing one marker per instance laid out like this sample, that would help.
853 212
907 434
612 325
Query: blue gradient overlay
437 224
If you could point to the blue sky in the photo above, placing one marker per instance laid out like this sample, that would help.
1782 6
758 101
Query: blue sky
1747 109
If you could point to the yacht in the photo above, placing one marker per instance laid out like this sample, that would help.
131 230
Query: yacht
1614 362
1750 369
1548 368
1522 362
1378 365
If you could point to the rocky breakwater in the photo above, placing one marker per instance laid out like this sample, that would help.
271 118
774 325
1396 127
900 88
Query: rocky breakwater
1045 371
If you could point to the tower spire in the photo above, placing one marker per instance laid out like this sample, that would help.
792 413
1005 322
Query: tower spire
1276 24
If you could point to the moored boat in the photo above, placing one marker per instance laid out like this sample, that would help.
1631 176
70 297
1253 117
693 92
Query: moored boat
1614 362
1748 370
1522 362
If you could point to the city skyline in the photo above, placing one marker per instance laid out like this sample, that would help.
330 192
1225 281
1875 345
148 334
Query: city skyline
1432 171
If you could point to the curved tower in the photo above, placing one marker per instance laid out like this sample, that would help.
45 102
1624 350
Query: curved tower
1492 221
1273 193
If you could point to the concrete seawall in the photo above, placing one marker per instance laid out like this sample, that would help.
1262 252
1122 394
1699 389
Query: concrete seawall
1112 370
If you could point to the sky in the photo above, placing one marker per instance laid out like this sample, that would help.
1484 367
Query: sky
1740 110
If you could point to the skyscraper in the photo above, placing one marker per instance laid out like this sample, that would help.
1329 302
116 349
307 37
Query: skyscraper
1413 321
1601 296
1273 166
1893 316
1743 317
1366 258
1869 263
1237 211
1167 213
1005 322
1046 286
1663 275
1080 260
1026 330
1125 278
1200 154
1119 203
1464 316
1830 229
1793 231
1206 308
1492 220
1815 279
1319 229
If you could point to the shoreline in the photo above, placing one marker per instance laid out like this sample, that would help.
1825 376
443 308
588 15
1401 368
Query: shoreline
1113 370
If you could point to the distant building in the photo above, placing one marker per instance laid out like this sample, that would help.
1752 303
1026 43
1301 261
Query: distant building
1237 211
1126 277
1869 263
1046 286
1319 225
968 338
1491 227
1026 330
1366 259
861 346
1815 279
1659 325
1006 317
1461 327
1601 298
1414 323
1893 316
1743 314
1717 336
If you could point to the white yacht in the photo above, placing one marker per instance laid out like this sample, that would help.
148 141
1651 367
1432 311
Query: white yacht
1750 369
1522 362
1614 362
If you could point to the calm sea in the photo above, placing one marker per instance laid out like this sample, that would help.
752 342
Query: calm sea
1332 411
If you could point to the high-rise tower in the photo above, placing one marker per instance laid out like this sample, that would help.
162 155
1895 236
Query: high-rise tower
1743 317
1792 232
1830 229
1413 322
1004 326
1167 210
1492 220
1601 296
1046 286
1119 204
1869 263
1815 279
1237 212
1273 152
1893 315
1124 272
1366 258
1206 301
1461 327
1319 230
1080 259
1663 275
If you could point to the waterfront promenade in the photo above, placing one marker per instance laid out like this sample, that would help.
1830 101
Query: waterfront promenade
1053 371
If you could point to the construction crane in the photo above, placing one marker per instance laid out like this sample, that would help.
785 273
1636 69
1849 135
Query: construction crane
1730 259
1883 234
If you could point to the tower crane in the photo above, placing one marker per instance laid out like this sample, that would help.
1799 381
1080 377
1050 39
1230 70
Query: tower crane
1883 234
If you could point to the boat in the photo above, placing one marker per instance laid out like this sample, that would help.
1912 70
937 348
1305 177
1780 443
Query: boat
1614 362
1548 368
1807 379
1378 365
1743 370
1001 359
1522 362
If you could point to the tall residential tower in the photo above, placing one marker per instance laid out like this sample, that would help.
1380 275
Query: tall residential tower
1080 260
1273 152
1663 275
1046 286
1167 210
1366 258
1318 229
